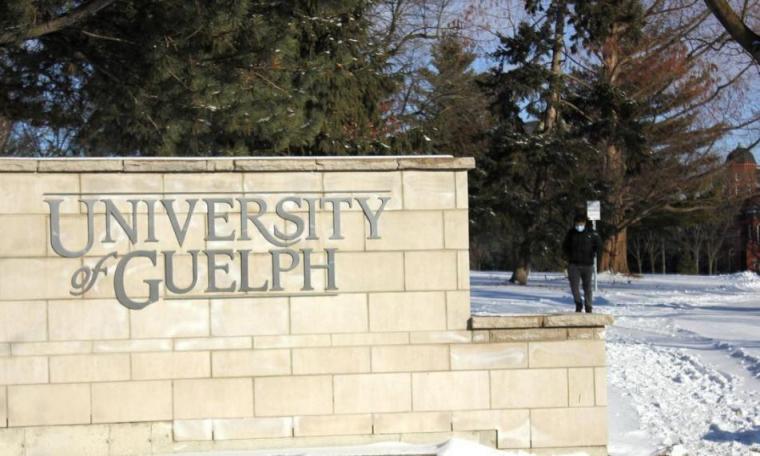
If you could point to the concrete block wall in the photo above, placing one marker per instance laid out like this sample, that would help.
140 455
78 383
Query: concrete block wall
392 354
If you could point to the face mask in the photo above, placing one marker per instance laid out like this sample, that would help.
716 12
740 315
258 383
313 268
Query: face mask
580 228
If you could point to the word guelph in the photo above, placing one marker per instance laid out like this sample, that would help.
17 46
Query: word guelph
251 211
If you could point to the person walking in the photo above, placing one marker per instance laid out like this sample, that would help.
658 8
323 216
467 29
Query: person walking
580 247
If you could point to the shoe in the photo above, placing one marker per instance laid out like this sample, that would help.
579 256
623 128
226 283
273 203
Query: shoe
588 310
578 307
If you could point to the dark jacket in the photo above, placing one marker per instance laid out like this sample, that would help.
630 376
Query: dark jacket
581 248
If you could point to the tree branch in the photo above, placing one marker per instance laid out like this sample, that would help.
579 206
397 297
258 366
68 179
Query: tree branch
78 14
104 37
738 30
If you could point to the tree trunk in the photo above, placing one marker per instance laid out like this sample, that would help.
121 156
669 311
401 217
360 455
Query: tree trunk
637 251
521 271
520 275
663 256
652 253
551 114
615 253
5 132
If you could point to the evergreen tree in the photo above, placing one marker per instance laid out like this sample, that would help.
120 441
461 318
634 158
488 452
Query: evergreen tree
197 78
450 109
535 163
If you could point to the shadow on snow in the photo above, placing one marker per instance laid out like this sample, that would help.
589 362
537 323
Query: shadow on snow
746 437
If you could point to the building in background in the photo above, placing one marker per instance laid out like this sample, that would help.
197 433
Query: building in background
744 180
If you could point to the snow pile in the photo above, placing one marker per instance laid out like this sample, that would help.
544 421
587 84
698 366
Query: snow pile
747 281
452 447
460 447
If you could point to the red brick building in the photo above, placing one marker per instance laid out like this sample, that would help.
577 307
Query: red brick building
744 180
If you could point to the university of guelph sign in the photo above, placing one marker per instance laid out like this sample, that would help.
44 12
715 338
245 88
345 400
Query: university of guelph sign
300 212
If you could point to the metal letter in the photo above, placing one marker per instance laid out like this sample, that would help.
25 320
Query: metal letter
289 217
112 212
374 232
118 281
254 218
212 216
55 228
307 267
213 267
312 204
179 233
336 213
277 268
169 272
151 205
244 274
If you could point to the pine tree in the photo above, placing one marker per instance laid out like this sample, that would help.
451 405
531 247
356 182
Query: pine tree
449 111
198 78
535 162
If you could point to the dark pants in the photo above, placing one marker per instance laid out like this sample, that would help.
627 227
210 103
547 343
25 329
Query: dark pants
577 273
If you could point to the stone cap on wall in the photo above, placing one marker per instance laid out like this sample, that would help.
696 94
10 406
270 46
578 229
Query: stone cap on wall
233 164
558 320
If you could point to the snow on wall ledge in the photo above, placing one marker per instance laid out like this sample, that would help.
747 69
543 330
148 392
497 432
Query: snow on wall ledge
155 306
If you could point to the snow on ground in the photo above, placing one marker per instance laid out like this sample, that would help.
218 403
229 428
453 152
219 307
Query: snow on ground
684 355
451 447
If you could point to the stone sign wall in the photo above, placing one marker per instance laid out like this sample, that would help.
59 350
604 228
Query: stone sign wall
154 306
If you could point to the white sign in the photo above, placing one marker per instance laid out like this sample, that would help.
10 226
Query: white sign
593 210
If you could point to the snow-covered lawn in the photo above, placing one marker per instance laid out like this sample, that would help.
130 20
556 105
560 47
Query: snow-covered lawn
684 355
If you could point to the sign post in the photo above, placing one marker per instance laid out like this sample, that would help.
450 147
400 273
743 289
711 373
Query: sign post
594 213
